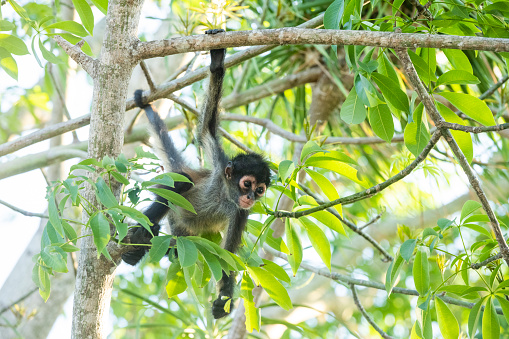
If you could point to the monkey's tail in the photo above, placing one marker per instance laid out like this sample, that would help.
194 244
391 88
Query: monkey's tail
172 160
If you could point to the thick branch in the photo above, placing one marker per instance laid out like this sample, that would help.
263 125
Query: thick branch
439 121
370 191
486 262
300 36
43 134
75 52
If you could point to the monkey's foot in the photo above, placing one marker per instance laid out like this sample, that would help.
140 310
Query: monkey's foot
214 31
218 307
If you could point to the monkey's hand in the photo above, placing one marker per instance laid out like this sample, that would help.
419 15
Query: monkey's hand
139 235
218 306
216 55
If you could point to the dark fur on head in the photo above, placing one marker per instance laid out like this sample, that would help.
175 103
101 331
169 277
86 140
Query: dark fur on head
251 164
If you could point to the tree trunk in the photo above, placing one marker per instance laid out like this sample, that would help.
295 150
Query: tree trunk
111 74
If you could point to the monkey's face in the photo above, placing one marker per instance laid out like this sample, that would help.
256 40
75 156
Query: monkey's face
250 191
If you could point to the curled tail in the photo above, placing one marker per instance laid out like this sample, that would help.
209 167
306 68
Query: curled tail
171 158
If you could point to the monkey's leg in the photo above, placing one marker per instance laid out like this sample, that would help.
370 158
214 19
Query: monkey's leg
227 282
155 212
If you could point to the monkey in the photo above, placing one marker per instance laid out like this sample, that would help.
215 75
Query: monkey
221 196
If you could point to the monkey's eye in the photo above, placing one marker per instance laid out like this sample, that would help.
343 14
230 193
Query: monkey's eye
260 191
247 184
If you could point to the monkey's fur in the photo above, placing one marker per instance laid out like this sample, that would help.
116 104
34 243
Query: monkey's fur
221 196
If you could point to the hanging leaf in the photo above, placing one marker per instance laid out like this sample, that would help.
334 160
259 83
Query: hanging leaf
463 139
421 271
273 287
176 281
333 15
318 240
187 252
471 106
380 119
101 231
294 246
490 324
353 110
446 320
391 91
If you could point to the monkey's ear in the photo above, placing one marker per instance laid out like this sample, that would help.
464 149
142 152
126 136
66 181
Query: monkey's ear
228 170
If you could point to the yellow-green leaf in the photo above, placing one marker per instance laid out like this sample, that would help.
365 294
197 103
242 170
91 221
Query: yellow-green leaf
490 324
446 320
272 286
421 271
463 139
294 246
176 281
471 106
318 240
327 188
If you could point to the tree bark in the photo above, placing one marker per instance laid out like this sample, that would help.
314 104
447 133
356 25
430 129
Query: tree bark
111 74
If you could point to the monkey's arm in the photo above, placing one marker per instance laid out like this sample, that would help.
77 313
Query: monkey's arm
227 282
155 212
209 119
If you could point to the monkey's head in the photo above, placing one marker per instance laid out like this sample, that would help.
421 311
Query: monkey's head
250 174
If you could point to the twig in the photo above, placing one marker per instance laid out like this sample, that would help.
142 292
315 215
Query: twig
372 221
43 134
301 36
148 75
75 52
366 315
421 10
21 211
486 262
20 299
370 191
62 101
352 226
439 121
473 129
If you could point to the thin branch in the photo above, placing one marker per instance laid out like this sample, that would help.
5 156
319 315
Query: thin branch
21 211
486 262
366 283
370 191
352 226
148 75
365 314
20 299
275 129
473 129
75 52
43 134
372 221
197 113
301 36
439 121
493 88
271 88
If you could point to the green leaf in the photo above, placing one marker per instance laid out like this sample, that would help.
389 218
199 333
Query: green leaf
380 118
446 320
478 229
44 282
255 227
309 148
421 271
327 188
54 216
505 306
468 208
422 68
334 14
48 55
174 198
273 287
286 168
68 26
338 167
102 5
85 13
391 91
13 44
70 233
56 258
136 215
159 247
294 246
386 68
176 281
393 273
471 106
353 110
318 240
458 59
407 249
473 318
276 270
329 220
104 194
463 139
187 252
6 25
416 137
8 63
212 262
490 324
252 313
457 77
120 178
101 231
69 248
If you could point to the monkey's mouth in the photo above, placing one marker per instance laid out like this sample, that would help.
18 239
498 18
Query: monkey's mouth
245 202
